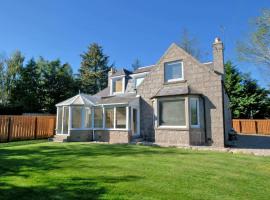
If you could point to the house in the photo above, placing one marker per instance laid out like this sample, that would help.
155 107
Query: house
177 101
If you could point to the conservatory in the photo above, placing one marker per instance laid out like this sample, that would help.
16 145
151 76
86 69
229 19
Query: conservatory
84 117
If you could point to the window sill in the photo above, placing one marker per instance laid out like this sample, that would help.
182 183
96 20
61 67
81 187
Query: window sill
172 128
174 82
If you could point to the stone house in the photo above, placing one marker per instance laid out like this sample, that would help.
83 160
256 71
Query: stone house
177 101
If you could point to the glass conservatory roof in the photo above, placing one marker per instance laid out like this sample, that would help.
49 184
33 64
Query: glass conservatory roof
80 99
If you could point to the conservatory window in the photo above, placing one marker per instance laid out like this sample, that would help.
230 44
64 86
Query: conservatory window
76 117
59 119
109 117
87 118
120 117
98 118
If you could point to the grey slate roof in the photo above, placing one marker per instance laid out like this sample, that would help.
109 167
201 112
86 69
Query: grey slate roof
144 69
172 91
103 93
124 99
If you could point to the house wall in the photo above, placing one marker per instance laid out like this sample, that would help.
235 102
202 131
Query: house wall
112 136
200 79
227 117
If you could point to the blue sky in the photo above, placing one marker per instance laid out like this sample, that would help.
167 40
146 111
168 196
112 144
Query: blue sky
126 29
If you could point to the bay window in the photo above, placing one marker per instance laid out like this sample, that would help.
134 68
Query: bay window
172 112
194 112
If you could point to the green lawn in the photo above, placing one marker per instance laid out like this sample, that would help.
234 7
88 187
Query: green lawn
43 170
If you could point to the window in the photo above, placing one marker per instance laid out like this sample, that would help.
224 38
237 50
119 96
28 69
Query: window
117 85
120 117
59 119
173 71
172 112
87 118
109 117
98 119
76 117
138 81
194 112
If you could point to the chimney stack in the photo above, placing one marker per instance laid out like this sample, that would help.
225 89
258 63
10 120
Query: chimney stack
111 72
218 56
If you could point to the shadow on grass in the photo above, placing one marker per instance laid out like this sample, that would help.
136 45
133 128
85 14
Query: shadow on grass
23 162
73 188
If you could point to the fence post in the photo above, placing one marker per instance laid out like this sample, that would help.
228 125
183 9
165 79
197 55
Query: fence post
256 126
240 126
9 130
35 128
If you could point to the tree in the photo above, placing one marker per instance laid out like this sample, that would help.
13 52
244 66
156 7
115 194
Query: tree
190 44
247 98
136 64
42 84
256 49
94 69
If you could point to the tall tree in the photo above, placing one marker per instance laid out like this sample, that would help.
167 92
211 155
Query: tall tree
94 69
256 49
247 98
190 44
136 64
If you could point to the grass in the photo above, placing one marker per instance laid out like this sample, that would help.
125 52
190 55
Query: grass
43 170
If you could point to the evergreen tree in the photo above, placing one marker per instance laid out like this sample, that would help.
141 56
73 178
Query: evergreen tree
247 98
94 69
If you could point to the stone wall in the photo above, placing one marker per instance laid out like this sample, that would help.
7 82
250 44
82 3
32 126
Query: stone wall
112 136
200 79
172 137
80 136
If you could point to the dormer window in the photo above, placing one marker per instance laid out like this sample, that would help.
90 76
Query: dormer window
118 85
173 71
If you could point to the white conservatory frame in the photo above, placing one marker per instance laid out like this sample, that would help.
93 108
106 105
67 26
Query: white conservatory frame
84 105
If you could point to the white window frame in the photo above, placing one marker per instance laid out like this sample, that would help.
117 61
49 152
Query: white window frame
198 112
82 117
175 79
139 75
169 99
123 84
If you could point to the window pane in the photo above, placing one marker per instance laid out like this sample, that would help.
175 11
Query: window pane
120 117
173 71
88 118
76 117
109 112
117 85
172 113
59 119
138 81
98 119
65 120
194 111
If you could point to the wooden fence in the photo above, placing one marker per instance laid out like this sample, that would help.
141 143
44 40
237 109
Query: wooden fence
250 126
26 127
